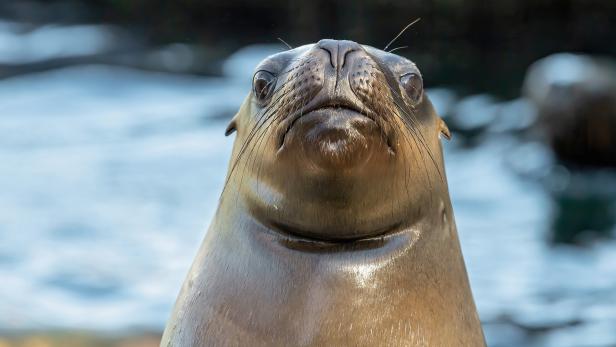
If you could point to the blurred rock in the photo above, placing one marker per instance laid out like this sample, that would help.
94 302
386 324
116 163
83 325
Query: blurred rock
575 97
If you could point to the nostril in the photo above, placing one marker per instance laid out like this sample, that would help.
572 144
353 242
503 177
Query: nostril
338 50
331 47
342 54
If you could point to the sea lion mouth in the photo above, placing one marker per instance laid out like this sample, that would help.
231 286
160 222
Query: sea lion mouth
332 106
334 123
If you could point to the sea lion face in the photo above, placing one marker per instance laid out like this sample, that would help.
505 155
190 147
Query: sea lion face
337 141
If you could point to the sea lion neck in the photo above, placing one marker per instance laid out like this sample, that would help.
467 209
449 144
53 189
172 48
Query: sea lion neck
391 243
257 285
330 216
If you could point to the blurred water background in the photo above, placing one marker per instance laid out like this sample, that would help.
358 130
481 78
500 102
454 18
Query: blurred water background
112 153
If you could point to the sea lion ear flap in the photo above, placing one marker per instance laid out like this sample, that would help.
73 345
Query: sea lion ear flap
444 130
232 127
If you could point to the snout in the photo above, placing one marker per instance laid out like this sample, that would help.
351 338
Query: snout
338 119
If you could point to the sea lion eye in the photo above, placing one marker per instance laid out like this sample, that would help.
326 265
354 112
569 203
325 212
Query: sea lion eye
263 84
413 86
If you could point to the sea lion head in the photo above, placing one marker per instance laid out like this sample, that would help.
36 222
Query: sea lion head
337 141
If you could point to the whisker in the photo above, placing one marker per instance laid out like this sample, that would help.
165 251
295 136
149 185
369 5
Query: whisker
262 119
397 48
401 32
414 123
285 43
409 120
262 136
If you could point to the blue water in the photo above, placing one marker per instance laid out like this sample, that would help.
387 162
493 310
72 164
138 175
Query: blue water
109 177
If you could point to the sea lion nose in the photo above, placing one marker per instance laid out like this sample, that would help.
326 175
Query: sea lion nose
338 50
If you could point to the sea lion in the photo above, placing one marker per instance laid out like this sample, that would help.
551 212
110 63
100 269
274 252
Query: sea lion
335 226
575 99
